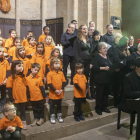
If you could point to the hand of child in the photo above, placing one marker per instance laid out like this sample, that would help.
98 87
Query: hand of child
8 128
32 54
4 82
45 80
60 91
0 84
12 129
57 91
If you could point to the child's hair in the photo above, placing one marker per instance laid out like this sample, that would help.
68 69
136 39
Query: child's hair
13 70
52 41
41 43
29 38
34 65
52 52
29 32
14 40
2 40
53 60
17 50
45 27
79 66
1 47
5 107
10 31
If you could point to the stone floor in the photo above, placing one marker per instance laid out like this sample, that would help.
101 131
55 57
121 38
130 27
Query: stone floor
107 132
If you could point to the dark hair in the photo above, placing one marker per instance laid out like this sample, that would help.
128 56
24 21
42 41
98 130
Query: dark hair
137 62
52 52
79 66
14 40
10 31
41 43
73 21
96 32
123 42
45 27
13 70
34 65
29 32
29 38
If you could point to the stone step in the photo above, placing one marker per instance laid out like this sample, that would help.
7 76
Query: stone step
70 126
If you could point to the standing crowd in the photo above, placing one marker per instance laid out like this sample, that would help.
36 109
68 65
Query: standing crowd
28 66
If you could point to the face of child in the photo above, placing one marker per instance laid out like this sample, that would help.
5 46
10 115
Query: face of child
40 49
35 71
46 31
30 34
56 65
22 52
56 53
32 42
1 52
17 42
48 40
80 71
11 112
1 41
13 34
19 68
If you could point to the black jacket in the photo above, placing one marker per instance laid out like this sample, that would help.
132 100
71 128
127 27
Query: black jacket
131 88
135 55
108 38
82 51
133 49
101 76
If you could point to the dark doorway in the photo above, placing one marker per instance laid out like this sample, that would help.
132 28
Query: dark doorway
30 25
6 25
56 28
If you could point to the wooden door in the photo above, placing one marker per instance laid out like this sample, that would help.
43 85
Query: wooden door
56 28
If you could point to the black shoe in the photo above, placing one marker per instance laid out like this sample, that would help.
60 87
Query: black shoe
89 97
81 118
98 112
106 110
77 118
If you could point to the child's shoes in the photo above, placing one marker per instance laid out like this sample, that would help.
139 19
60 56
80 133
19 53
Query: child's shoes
40 122
34 122
59 117
80 116
52 119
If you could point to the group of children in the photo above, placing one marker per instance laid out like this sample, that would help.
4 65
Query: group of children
25 69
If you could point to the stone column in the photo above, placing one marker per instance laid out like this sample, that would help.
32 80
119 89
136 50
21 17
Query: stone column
89 11
18 17
75 10
44 9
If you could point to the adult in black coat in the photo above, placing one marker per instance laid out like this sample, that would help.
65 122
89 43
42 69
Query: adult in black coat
94 51
82 51
101 64
132 48
137 53
115 43
131 86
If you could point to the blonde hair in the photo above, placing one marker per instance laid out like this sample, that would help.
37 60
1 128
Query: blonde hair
1 47
52 41
53 60
117 35
100 45
139 45
6 107
17 50
80 33
130 37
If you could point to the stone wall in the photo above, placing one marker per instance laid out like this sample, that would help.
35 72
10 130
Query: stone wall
83 11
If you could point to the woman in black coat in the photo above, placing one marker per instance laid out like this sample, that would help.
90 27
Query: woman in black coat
82 51
136 54
101 64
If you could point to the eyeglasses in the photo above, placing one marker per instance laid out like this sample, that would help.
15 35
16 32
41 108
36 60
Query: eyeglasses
12 109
